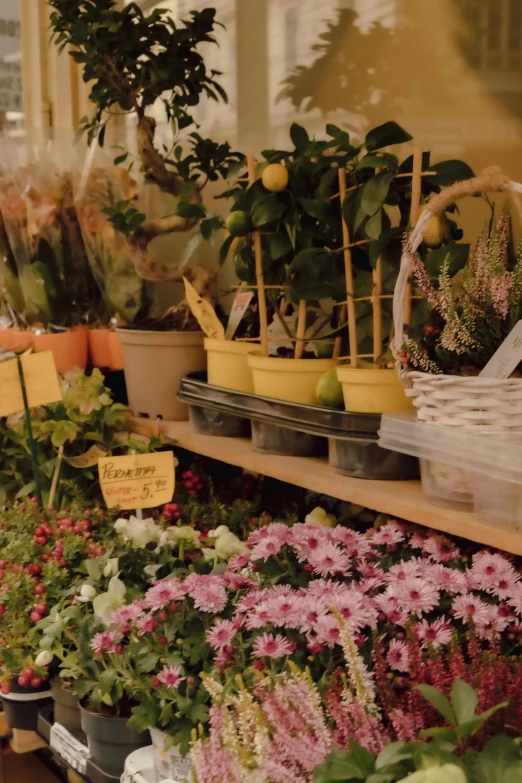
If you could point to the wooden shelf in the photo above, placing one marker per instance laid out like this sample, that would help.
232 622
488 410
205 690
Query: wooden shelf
401 499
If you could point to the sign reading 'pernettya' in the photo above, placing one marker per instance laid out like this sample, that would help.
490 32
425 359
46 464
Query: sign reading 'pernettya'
137 481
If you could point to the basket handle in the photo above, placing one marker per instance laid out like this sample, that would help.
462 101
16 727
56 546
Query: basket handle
490 181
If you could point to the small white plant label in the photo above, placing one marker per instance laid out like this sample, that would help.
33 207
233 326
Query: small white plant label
507 357
240 305
70 749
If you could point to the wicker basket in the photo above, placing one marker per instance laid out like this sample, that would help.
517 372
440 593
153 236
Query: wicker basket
476 403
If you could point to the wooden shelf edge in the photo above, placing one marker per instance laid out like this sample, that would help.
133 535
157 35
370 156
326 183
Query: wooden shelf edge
401 499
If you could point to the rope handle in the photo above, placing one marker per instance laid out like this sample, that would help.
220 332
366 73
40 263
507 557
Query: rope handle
490 181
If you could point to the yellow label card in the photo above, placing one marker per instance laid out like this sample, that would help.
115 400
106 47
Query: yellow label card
204 313
138 480
41 382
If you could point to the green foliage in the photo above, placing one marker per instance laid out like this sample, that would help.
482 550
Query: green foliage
445 759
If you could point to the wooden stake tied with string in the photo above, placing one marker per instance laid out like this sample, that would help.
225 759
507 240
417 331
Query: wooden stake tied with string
260 281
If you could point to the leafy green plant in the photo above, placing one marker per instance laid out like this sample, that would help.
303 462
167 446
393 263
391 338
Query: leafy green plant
444 759
134 61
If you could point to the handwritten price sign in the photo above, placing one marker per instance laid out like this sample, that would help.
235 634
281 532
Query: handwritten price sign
137 481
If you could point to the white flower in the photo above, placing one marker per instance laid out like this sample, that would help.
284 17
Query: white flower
44 658
218 531
208 554
152 570
111 569
228 544
447 773
87 593
183 533
320 518
140 531
106 603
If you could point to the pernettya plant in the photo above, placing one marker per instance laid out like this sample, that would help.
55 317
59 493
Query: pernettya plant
133 62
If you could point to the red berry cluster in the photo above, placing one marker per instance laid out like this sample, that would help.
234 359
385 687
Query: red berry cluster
29 678
172 512
192 483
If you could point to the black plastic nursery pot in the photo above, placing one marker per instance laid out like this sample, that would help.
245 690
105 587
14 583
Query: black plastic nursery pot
21 709
66 707
110 740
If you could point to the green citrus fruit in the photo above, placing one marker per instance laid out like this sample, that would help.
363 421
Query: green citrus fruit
237 223
324 350
436 232
329 391
275 177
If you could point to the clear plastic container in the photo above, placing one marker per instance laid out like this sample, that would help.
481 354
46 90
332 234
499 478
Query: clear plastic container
463 469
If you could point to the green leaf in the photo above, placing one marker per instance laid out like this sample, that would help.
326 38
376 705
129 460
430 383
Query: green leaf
375 191
451 171
458 255
267 210
340 766
279 245
198 713
185 210
466 730
392 754
439 701
499 762
210 226
313 207
464 700
386 135
373 226
377 161
385 239
225 249
121 158
299 137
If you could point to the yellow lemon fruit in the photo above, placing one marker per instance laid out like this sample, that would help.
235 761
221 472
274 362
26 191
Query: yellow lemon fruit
329 391
436 232
275 177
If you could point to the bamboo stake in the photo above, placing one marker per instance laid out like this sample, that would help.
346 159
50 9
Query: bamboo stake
348 271
416 185
54 482
258 256
377 310
301 329
338 340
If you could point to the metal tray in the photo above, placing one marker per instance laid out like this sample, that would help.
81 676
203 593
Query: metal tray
311 419
363 458
209 421
94 774
272 439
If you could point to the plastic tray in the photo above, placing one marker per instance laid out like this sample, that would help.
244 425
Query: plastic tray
209 421
366 459
304 418
94 774
459 468
273 439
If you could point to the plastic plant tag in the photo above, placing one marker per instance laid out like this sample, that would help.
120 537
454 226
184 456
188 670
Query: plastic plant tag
41 382
204 313
240 305
70 749
137 480
507 357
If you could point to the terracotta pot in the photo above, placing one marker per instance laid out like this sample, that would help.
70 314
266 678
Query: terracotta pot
155 363
15 339
105 349
70 348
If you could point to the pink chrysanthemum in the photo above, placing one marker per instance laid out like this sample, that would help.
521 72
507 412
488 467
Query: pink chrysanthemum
406 569
327 630
312 609
306 539
437 633
469 607
163 593
145 624
440 549
355 609
207 591
269 645
329 560
490 571
104 641
257 617
389 606
171 676
415 596
221 634
398 657
322 588
448 579
355 543
274 529
516 598
284 610
125 614
389 534
267 547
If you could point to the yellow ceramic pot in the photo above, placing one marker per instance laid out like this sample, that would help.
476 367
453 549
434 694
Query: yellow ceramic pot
292 380
227 364
372 391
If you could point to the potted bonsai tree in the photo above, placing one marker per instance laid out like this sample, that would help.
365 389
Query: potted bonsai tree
135 62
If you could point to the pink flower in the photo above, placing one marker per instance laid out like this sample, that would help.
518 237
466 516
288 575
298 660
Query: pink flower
327 630
490 572
405 569
388 534
125 614
440 548
207 591
221 634
312 610
284 610
258 617
145 624
355 609
170 676
272 646
329 560
448 579
389 607
468 607
267 547
436 633
321 588
494 622
104 641
398 657
415 595
516 598
417 541
277 529
163 593
356 544
306 539
238 561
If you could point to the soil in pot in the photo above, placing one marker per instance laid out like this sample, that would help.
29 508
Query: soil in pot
110 740
66 706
